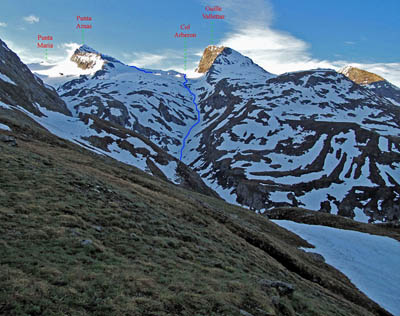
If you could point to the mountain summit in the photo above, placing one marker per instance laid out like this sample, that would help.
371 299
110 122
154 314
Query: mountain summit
210 53
87 58
372 81
231 65
360 76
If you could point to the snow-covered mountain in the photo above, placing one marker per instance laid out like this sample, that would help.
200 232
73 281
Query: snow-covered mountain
26 95
152 103
373 82
310 138
84 61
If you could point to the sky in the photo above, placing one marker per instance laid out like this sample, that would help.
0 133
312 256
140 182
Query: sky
279 35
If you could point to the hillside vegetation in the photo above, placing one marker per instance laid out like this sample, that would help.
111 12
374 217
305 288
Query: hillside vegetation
82 234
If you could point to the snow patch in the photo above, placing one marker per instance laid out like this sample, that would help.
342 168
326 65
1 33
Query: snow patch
360 215
370 262
4 127
5 106
6 79
169 170
115 112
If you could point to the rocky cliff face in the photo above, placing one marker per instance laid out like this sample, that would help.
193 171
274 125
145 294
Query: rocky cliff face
360 76
19 87
87 58
375 83
209 55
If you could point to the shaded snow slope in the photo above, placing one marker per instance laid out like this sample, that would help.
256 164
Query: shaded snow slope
370 262
123 145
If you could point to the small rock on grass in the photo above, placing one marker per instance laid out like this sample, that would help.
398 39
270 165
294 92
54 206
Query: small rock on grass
283 288
86 242
9 140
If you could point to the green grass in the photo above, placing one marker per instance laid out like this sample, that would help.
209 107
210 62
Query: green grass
156 249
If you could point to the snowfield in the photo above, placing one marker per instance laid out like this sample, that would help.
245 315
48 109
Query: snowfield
371 262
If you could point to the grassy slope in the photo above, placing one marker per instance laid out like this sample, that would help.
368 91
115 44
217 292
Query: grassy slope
155 249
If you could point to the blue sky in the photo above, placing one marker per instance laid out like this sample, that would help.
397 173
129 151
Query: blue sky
280 35
360 30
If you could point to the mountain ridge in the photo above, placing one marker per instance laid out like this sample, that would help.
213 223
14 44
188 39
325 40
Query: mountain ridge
207 59
86 58
360 76
373 82
87 130
87 234
20 87
264 140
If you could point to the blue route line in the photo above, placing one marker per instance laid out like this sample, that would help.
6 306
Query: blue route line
145 71
198 116
194 102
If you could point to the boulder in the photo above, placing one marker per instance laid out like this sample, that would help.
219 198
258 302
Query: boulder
9 140
283 288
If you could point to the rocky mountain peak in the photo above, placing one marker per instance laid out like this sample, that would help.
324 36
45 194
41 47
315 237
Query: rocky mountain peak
86 57
373 82
231 64
360 76
87 49
210 53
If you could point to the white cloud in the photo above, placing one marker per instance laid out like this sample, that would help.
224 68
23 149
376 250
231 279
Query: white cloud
146 59
275 51
67 51
25 55
389 71
168 59
31 19
2 24
29 56
70 48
